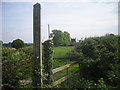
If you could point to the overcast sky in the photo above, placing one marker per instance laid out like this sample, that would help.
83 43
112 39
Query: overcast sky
80 19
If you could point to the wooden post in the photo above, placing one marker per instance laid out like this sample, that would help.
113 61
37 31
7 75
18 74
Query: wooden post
37 46
48 57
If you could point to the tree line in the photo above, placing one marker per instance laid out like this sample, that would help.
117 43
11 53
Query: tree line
59 39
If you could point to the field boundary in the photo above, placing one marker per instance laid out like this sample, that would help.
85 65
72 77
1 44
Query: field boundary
64 77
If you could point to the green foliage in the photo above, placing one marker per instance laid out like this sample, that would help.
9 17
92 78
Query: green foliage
101 83
60 38
28 50
88 48
99 68
17 44
99 59
66 38
48 58
10 74
16 66
10 54
76 82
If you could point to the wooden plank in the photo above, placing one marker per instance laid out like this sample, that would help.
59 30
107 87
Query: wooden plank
59 81
62 67
63 79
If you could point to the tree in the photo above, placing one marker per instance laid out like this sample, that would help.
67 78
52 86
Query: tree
66 38
18 43
60 38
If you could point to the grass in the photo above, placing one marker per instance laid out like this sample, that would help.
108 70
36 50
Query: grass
61 51
62 73
57 63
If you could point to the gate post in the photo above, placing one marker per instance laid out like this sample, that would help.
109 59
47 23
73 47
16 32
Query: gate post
37 46
48 58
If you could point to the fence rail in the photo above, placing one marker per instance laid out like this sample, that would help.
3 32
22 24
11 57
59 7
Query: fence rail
48 57
65 77
25 82
63 67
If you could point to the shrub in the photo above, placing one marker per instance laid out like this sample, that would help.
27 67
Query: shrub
16 66
17 44
99 59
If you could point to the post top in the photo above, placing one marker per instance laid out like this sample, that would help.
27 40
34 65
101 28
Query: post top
37 5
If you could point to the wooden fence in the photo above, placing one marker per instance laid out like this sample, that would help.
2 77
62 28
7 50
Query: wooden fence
47 63
67 66
59 81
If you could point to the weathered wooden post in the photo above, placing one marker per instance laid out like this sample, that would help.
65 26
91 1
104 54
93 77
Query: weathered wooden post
48 57
37 46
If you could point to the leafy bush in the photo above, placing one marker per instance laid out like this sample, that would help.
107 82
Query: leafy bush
16 66
101 83
99 59
17 44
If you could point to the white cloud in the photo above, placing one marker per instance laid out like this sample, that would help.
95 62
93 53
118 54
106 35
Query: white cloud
79 19
83 19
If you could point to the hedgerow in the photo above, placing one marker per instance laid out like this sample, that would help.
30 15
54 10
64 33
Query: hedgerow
99 59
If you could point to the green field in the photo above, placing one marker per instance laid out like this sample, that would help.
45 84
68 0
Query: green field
62 51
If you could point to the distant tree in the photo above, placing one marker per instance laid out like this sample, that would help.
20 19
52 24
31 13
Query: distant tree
66 38
60 38
18 43
57 37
